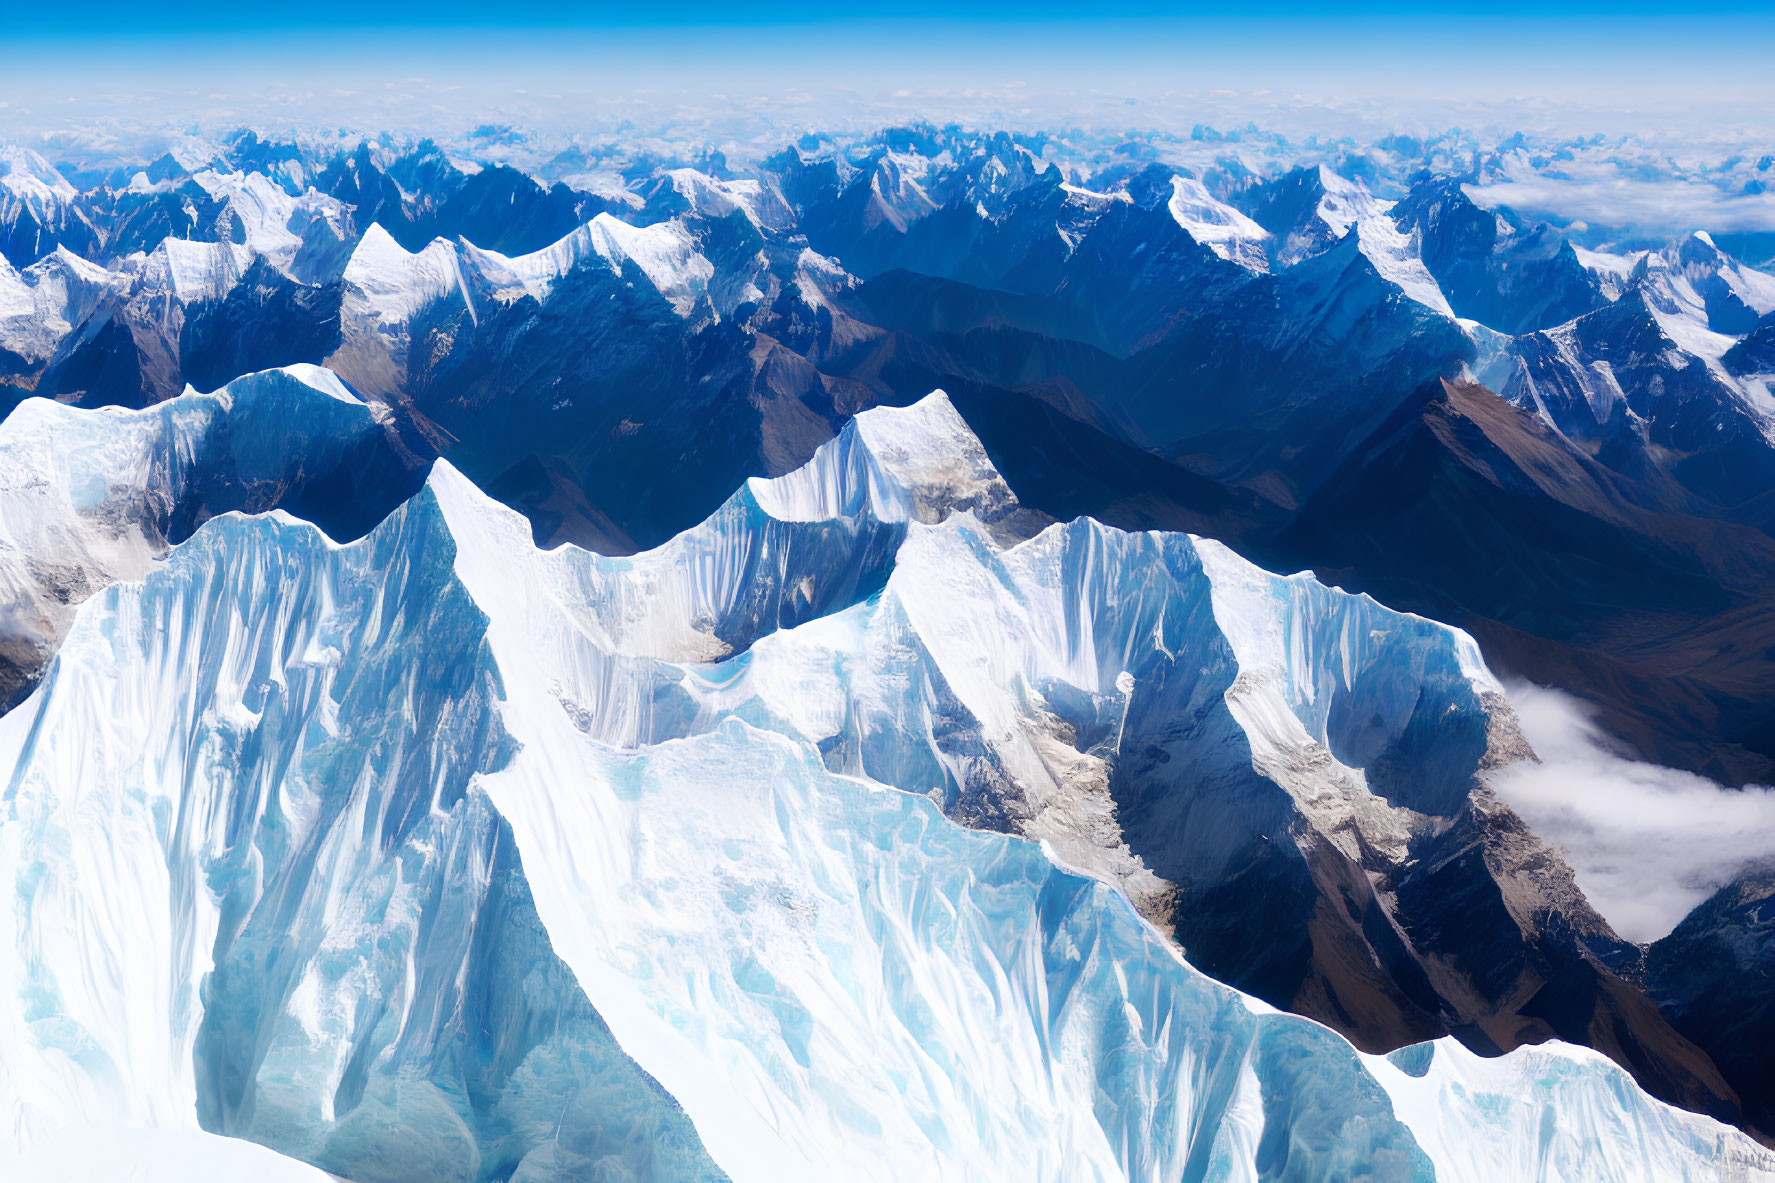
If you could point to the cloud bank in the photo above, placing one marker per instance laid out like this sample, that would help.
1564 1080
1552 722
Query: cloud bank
1669 206
1648 843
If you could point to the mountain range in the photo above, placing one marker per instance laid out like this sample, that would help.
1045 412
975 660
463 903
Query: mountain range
470 461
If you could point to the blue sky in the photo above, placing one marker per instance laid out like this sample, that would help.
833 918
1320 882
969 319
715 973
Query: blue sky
1639 59
98 18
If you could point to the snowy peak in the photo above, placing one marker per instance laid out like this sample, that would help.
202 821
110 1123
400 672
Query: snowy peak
42 304
393 284
28 180
1217 225
665 253
1703 298
706 197
194 271
1312 209
396 284
918 463
274 223
1349 205
386 289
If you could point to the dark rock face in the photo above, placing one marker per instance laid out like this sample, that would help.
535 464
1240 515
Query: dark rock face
1755 354
1479 931
28 235
141 222
1657 417
1711 978
1457 510
143 349
1492 265
497 209
265 320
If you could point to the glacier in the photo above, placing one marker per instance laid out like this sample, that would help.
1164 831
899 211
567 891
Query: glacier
436 856
91 497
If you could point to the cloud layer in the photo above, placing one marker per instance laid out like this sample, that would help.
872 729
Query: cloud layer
1648 843
1667 206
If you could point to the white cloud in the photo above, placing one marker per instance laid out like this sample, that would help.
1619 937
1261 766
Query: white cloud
1648 843
1673 206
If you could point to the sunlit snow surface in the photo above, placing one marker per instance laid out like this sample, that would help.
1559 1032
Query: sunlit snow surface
124 1155
1217 225
435 857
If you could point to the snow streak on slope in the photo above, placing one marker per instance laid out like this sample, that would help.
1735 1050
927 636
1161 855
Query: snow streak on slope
1349 204
376 853
1217 225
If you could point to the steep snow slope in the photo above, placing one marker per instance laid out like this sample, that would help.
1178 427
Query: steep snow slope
1312 208
41 305
1217 225
91 497
1349 205
413 834
265 896
192 271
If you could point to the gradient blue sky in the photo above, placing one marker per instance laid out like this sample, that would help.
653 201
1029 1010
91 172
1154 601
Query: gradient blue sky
1637 58
90 18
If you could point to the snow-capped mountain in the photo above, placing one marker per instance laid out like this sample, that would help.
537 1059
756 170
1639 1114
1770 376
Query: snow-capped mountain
434 855
612 342
38 209
92 498
1509 273
41 305
1257 333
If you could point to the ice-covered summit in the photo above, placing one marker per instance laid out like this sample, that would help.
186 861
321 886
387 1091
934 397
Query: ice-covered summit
30 183
91 497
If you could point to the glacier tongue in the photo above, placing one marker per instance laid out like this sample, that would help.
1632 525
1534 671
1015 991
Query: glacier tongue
427 856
